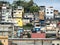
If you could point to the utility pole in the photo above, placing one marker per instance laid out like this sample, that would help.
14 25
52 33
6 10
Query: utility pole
42 42
13 32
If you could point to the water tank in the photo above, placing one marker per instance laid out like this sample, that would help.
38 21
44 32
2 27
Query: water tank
37 29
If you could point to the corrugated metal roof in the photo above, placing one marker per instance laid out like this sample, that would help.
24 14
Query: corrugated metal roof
38 35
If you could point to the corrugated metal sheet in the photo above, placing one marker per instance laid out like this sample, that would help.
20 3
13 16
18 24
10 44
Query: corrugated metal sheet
38 35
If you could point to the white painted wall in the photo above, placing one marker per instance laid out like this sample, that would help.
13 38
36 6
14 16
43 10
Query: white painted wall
6 14
49 10
55 42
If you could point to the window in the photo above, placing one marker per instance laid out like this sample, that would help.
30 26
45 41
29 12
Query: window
51 9
52 44
37 25
19 20
14 12
19 12
19 9
4 40
3 16
47 12
57 44
7 10
3 19
10 28
51 12
47 9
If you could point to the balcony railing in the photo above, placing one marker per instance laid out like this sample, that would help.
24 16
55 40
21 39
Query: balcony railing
3 37
6 30
51 32
58 16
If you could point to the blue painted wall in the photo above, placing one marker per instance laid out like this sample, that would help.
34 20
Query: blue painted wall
19 32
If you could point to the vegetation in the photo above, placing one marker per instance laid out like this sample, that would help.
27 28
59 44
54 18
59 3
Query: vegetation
4 2
28 26
1 43
34 9
28 34
28 6
1 2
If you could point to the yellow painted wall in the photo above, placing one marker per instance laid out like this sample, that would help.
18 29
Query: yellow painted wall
18 13
19 22
4 40
18 16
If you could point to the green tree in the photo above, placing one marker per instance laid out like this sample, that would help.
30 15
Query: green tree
4 2
28 34
34 9
30 3
28 6
28 26
1 43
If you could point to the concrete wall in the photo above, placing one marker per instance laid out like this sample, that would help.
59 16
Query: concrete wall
47 42
56 42
49 14
32 42
4 40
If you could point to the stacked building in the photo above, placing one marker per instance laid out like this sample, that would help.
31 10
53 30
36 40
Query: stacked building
6 28
18 19
46 25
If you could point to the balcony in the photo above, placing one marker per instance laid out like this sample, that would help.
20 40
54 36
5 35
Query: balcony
3 37
18 16
15 24
5 29
36 21
5 25
51 32
57 16
52 28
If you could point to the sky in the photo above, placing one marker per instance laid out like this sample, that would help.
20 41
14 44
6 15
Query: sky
47 3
